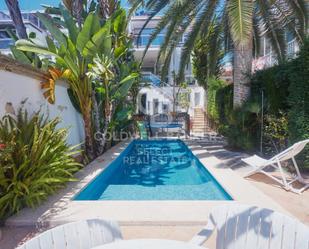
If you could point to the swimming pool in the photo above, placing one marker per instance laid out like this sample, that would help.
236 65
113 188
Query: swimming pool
154 170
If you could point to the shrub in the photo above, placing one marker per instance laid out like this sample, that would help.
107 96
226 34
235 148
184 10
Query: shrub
224 103
35 161
275 133
213 86
286 108
243 126
274 82
298 100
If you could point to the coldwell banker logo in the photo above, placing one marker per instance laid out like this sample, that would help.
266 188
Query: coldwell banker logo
154 156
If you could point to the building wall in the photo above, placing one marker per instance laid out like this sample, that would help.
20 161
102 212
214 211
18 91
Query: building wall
164 96
15 88
149 63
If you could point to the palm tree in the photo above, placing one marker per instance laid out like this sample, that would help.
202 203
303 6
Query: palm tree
76 8
13 7
242 22
108 7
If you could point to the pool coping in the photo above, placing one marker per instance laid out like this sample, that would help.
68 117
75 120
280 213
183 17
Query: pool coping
60 208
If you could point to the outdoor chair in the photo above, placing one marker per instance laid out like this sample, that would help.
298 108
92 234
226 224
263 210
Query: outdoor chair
78 235
247 227
260 164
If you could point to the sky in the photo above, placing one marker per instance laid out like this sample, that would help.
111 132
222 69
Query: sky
36 4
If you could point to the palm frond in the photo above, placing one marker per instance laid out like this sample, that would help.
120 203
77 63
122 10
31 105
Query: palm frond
240 18
164 21
201 23
184 15
155 7
274 30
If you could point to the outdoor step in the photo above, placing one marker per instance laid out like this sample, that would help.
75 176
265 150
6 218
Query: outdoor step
198 123
200 130
198 120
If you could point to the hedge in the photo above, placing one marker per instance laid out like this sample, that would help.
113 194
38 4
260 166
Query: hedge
286 93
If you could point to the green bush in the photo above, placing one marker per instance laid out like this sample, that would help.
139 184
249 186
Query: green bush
213 86
224 103
285 89
239 126
275 133
243 126
35 161
274 82
298 100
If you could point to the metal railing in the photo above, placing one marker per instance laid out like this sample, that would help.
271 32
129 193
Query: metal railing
292 48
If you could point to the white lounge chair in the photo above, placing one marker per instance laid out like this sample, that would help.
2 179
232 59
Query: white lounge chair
78 235
260 164
247 227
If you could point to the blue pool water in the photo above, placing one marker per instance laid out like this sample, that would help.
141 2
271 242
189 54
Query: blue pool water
154 170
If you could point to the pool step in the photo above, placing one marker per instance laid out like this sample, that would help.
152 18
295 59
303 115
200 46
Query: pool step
205 191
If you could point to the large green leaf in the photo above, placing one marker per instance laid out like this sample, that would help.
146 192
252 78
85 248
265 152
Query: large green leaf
71 64
91 26
124 114
69 24
72 50
51 45
119 21
20 55
53 28
101 42
125 85
29 46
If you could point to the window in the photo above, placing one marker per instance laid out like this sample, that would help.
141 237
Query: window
144 38
34 19
4 35
165 108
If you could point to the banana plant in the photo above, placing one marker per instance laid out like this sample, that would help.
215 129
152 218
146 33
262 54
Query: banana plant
72 51
114 72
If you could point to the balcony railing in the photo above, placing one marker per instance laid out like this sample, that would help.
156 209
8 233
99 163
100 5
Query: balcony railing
143 40
292 48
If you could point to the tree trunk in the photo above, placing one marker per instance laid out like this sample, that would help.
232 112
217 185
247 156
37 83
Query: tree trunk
15 14
77 9
108 7
99 149
88 134
109 111
242 69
